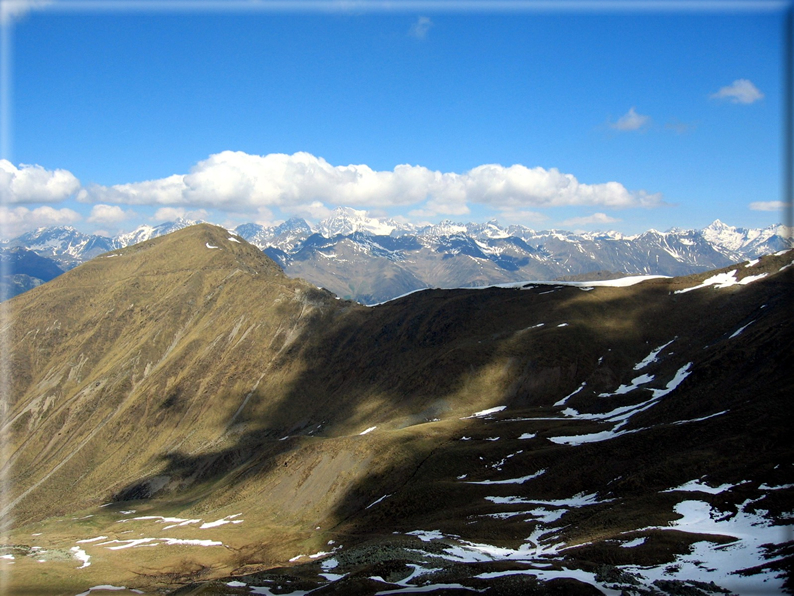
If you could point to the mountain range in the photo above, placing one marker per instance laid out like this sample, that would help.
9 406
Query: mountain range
182 417
372 260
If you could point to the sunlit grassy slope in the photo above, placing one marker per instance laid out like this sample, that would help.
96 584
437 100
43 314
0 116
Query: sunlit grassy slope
180 412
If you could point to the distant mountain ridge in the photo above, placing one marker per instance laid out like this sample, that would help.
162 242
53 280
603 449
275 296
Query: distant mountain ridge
371 260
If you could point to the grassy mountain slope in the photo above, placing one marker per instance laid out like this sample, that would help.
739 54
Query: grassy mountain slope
171 385
113 360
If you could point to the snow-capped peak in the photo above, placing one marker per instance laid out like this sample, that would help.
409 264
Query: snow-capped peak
346 221
146 232
446 228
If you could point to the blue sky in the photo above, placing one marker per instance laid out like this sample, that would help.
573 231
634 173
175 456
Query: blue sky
589 119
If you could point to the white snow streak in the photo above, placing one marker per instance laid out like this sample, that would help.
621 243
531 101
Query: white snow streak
156 542
681 374
579 500
651 358
575 391
107 587
765 486
92 539
487 412
698 486
635 384
163 520
81 555
723 280
427 535
633 543
740 329
378 501
702 418
521 480
229 519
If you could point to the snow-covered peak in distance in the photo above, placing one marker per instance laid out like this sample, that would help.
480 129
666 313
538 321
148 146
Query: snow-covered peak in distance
346 221
445 228
145 232
490 229
732 240
729 237
45 235
56 239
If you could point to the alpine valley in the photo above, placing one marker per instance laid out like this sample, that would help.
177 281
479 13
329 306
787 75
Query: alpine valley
372 260
182 417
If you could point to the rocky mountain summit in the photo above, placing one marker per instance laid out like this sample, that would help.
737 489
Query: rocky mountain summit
185 418
372 260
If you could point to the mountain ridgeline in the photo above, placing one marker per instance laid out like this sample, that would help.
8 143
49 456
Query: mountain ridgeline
184 417
372 260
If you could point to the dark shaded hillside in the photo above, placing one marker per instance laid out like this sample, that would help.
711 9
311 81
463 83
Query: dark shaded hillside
188 379
23 270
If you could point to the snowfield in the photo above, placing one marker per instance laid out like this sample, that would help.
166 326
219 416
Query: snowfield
723 280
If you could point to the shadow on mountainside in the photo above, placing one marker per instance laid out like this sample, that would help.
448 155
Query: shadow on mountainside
381 403
407 362
729 421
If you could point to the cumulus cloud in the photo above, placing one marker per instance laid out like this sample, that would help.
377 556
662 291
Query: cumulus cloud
420 28
109 214
740 91
631 120
768 205
313 210
150 192
595 218
16 220
304 184
172 213
34 184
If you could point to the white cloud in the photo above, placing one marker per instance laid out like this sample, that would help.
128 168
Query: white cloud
523 217
595 218
169 213
518 186
447 205
109 214
420 28
172 213
16 220
151 192
421 214
264 217
313 210
34 184
631 120
740 91
303 183
768 205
